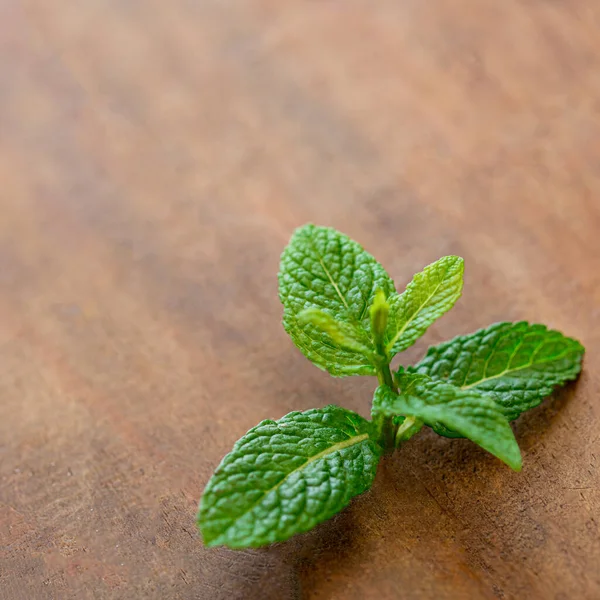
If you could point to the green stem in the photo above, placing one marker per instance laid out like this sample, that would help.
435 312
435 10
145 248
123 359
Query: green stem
393 435
388 429
384 375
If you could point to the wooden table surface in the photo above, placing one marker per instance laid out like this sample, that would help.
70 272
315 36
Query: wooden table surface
155 158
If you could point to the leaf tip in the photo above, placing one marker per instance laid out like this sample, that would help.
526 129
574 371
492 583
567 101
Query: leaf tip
515 460
210 538
453 260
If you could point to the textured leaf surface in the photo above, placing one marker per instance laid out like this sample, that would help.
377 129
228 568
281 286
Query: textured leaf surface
283 477
324 269
520 364
341 333
473 414
430 294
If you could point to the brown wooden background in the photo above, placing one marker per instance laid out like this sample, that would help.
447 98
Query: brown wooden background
154 159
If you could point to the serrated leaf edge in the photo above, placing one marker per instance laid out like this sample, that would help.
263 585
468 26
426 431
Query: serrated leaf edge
336 447
576 370
396 338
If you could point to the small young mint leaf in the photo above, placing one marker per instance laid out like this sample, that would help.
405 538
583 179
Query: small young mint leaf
284 477
379 311
471 413
408 427
517 363
341 333
322 268
430 294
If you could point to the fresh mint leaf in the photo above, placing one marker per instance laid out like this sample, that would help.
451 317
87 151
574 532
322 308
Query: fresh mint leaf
340 332
283 477
326 270
518 363
471 413
430 294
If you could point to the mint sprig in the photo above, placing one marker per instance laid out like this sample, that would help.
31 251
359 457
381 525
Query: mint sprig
343 312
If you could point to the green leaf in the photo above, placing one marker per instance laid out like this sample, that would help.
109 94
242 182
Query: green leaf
325 270
471 413
517 363
341 333
430 294
283 477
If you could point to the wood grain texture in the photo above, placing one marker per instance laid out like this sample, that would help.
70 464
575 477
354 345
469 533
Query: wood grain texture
154 159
